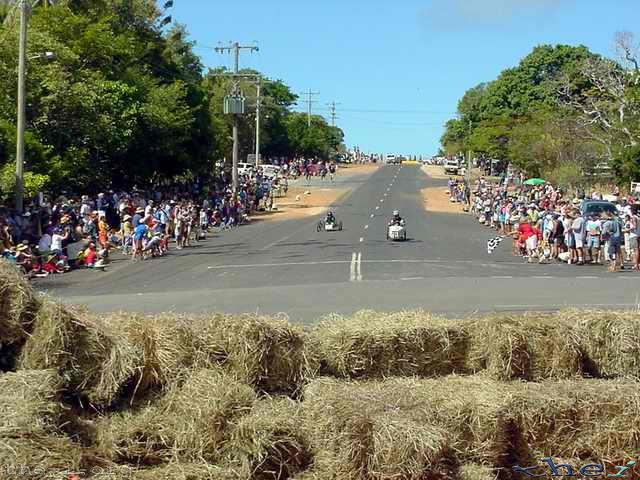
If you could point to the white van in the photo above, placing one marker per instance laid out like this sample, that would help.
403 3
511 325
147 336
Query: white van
245 168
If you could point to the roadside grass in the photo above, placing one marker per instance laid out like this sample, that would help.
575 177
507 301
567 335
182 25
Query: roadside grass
373 396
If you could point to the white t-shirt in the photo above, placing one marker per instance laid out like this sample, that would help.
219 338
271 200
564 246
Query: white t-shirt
56 241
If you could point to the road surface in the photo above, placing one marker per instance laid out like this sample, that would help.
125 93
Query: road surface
288 267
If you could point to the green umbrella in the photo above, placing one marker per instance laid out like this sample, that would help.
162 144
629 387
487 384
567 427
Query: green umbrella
534 181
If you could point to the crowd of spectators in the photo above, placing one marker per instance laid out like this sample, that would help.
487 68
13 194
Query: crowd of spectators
549 225
54 235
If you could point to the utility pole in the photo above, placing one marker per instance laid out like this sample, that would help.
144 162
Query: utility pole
235 48
332 108
22 71
309 102
258 101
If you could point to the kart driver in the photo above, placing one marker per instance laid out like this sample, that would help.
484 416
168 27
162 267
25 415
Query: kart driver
396 219
331 218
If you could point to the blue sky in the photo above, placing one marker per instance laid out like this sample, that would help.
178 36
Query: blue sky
397 67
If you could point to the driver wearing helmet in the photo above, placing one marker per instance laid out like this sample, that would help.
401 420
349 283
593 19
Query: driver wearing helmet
396 219
331 218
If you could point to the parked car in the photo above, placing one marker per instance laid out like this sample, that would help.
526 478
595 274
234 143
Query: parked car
451 167
589 207
270 171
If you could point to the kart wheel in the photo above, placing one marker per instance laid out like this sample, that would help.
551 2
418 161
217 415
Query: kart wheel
339 226
319 227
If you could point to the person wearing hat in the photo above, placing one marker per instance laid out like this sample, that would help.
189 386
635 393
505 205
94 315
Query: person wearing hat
138 216
126 234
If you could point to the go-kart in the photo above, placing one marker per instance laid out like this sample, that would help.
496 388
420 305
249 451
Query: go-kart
334 226
397 232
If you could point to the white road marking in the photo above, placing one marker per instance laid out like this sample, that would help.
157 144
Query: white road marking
361 239
381 200
371 215
542 276
587 277
352 267
406 279
359 267
378 207
502 277
366 226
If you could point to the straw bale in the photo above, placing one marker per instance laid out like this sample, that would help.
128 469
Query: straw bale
168 346
266 352
269 443
579 419
528 347
28 403
474 471
190 423
172 471
374 345
18 304
38 457
98 363
469 408
610 342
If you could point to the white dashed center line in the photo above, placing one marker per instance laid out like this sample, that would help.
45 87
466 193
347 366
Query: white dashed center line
366 226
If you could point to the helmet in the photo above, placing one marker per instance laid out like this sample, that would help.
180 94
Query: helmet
396 213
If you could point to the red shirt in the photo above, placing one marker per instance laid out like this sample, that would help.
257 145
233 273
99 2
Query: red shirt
525 231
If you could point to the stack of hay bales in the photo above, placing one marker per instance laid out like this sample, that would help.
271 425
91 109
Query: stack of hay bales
268 353
269 443
376 345
190 423
18 305
529 347
31 442
610 342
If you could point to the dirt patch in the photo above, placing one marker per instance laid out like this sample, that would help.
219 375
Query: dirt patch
436 199
302 202
435 171
351 169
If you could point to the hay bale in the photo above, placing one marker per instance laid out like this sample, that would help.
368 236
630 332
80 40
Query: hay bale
28 403
266 352
93 355
588 419
467 408
190 423
269 443
39 456
173 471
375 345
473 471
610 342
168 346
18 304
528 347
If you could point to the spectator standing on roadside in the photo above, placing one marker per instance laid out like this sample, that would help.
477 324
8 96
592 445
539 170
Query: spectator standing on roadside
594 231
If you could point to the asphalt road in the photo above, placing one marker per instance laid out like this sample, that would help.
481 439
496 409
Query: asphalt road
288 267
